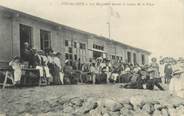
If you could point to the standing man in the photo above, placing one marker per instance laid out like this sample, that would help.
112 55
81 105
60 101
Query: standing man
161 71
27 54
168 72
68 71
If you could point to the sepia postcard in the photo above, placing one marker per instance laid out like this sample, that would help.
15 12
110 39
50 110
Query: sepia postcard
91 58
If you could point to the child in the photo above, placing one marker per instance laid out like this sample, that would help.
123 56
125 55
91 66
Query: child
16 65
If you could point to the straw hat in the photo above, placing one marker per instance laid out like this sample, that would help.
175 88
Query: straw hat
16 58
66 61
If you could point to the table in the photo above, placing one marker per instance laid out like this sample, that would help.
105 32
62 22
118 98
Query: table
30 76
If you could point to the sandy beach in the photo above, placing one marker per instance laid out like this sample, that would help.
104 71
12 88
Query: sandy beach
37 99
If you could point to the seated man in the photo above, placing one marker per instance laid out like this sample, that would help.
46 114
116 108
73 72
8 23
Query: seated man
115 74
143 83
68 71
85 74
106 69
125 74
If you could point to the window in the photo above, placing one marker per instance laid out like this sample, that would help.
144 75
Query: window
143 59
129 57
70 50
98 47
135 58
75 57
75 44
68 56
113 57
66 42
25 36
82 46
45 40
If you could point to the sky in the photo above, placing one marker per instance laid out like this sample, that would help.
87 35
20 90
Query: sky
157 27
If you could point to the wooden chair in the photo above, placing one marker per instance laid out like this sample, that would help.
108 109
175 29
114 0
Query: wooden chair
8 75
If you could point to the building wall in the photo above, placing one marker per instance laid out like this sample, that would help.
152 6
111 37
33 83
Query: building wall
96 41
36 26
10 36
79 38
6 49
10 40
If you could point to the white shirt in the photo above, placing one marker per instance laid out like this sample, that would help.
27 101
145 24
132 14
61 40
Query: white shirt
161 70
176 86
45 60
57 62
50 59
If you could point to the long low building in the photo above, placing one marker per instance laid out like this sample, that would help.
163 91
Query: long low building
17 27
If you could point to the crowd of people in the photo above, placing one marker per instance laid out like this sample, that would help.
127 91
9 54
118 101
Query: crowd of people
96 71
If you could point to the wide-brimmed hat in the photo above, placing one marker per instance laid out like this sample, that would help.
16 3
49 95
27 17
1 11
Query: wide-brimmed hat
58 54
66 61
154 59
177 71
16 57
41 52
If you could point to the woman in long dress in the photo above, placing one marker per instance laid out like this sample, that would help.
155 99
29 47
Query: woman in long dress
58 78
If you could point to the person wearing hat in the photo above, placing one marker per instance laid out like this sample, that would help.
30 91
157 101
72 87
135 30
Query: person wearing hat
176 86
168 72
144 82
57 60
125 74
38 63
107 69
93 71
27 54
56 65
68 71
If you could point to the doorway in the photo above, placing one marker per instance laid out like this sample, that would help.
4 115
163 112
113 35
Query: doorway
135 58
25 36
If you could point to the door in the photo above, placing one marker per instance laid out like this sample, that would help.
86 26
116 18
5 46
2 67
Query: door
25 36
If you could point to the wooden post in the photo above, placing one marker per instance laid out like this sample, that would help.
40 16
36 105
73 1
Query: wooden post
5 80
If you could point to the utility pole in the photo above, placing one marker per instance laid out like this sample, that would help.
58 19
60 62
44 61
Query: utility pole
109 30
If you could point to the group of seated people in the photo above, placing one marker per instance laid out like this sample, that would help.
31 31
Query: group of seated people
103 71
47 63
100 70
